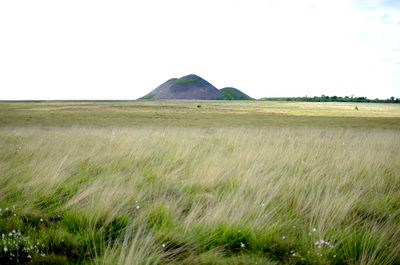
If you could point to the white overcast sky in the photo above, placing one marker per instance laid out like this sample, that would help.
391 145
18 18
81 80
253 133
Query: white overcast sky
81 49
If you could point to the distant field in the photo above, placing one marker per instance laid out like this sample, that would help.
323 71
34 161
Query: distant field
187 113
199 182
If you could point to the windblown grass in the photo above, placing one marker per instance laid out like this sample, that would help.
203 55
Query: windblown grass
201 195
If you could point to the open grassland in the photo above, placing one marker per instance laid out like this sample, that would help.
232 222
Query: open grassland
226 183
210 113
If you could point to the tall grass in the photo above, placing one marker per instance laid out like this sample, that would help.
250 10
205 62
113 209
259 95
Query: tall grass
156 195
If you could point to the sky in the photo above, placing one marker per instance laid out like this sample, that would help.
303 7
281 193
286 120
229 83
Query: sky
96 49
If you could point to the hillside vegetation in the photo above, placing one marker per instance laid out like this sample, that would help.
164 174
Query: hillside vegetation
169 183
231 93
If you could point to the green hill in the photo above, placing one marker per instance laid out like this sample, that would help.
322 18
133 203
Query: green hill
231 93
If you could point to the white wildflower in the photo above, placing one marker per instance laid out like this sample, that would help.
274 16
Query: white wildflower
5 249
242 245
314 229
320 243
163 245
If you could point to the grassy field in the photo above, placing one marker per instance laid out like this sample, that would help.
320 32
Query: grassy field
199 182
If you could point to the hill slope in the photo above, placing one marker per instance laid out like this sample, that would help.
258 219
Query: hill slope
159 88
231 93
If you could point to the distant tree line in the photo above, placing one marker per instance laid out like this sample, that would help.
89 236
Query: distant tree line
324 98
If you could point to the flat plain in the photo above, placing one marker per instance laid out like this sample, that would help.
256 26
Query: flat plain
199 182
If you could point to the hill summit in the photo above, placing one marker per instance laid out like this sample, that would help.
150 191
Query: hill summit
193 87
